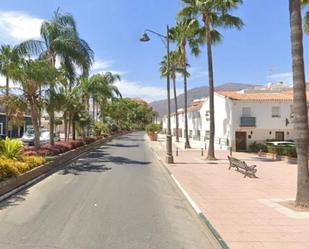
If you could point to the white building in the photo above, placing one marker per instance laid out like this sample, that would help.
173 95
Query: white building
241 118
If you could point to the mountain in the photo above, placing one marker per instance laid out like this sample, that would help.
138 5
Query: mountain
196 93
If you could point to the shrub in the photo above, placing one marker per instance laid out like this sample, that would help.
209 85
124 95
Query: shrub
13 167
152 128
11 148
256 147
33 161
89 140
10 167
286 150
59 148
100 128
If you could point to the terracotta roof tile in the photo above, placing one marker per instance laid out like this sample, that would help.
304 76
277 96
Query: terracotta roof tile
282 96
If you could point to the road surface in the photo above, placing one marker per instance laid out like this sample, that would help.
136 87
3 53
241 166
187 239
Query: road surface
116 197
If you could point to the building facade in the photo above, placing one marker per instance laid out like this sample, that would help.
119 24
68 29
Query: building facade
241 118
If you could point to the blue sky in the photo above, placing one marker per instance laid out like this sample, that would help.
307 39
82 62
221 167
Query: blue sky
258 54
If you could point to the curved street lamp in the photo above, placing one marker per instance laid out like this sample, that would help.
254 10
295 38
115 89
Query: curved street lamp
145 38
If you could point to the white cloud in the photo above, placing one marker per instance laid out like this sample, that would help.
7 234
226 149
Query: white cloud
18 26
197 73
284 77
100 65
140 90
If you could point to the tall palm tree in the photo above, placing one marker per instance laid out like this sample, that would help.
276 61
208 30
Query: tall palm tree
174 68
8 61
212 15
31 74
61 40
300 103
186 32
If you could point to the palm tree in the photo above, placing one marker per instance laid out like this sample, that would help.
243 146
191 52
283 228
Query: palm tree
101 88
213 15
174 68
8 60
300 104
186 32
61 40
32 74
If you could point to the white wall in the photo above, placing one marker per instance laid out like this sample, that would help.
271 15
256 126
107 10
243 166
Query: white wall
223 116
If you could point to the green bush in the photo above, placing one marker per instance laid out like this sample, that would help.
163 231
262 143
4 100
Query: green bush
283 150
33 161
100 128
152 128
257 147
11 148
13 167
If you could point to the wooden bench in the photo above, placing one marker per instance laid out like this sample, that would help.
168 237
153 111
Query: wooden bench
238 164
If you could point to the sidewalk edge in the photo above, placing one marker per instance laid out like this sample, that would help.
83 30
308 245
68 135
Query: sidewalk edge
195 207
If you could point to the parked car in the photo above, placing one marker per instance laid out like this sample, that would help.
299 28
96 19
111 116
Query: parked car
28 137
281 143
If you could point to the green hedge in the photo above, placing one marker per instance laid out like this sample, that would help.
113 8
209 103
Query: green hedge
281 150
257 147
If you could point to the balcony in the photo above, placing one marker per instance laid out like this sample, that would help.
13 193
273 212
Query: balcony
247 122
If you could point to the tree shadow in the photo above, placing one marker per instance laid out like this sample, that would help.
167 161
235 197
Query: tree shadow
123 145
14 200
91 162
130 138
124 160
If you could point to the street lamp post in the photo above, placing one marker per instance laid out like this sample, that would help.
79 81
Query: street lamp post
145 38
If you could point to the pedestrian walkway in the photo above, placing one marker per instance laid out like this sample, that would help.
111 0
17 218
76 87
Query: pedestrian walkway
247 212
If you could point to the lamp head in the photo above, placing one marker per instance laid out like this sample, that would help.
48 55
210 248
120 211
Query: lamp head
144 38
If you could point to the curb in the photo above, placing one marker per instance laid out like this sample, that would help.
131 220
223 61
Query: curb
48 168
195 207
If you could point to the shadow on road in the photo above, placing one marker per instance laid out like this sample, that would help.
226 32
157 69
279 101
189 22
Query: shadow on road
14 200
130 138
92 162
123 145
124 160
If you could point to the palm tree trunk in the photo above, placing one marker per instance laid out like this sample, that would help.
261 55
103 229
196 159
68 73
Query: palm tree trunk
36 128
52 111
69 128
73 129
93 111
7 90
300 104
211 146
187 143
65 121
176 108
51 126
40 111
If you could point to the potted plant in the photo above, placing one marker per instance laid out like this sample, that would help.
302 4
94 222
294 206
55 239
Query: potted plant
152 131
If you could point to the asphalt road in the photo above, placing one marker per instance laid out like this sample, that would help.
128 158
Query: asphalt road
116 197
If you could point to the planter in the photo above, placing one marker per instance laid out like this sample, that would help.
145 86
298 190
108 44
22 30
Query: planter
153 136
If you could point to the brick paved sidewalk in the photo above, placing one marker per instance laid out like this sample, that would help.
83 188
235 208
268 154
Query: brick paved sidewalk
245 211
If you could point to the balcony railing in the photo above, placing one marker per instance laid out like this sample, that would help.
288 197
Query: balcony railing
247 122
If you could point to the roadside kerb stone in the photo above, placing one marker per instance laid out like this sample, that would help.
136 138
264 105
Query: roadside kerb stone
195 207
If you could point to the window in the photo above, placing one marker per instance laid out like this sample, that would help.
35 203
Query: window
1 128
275 111
207 134
207 114
246 111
